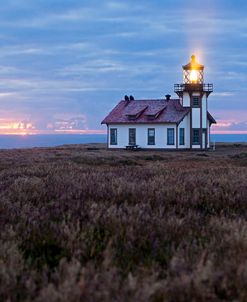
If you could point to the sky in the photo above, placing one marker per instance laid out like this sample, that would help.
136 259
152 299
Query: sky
64 64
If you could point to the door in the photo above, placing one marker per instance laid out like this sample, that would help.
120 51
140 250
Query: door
203 138
132 136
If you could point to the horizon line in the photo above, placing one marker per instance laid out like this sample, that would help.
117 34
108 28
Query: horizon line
93 132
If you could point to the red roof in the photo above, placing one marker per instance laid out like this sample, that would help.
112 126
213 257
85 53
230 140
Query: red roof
211 119
147 111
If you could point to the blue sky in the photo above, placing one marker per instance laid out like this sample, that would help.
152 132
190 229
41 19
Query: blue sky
65 64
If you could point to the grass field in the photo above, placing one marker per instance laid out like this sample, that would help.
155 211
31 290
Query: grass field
80 223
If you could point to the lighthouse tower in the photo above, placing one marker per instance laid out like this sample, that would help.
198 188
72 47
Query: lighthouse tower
193 93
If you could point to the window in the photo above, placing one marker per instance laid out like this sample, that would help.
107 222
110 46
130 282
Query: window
195 101
196 137
113 136
170 136
181 136
132 136
151 136
204 135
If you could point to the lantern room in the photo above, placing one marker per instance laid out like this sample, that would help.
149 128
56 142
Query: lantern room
193 79
193 72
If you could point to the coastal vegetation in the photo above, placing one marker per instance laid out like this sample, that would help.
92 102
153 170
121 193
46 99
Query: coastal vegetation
82 223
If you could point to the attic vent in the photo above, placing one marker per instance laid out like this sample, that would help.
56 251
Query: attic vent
154 113
151 116
132 116
134 112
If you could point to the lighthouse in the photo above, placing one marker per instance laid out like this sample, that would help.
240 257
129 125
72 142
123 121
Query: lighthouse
165 123
194 93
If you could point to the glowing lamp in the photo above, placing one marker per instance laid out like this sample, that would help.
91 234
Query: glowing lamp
193 84
193 76
193 72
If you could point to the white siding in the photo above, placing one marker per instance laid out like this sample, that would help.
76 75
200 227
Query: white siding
142 135
208 127
204 111
186 99
196 118
186 125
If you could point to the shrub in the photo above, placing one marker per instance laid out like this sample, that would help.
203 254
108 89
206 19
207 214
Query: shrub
80 224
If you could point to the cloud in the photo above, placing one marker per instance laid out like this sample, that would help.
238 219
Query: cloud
10 126
223 94
4 95
227 126
114 5
74 123
228 121
80 58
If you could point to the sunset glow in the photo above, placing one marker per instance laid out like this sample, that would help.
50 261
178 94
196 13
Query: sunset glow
15 127
70 77
38 132
60 126
228 132
20 128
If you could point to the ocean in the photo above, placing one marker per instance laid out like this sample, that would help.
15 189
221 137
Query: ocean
52 140
229 138
48 140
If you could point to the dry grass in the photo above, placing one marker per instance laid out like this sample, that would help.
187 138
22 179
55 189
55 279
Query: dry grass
80 223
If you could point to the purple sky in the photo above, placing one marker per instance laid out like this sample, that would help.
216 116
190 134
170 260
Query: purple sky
65 64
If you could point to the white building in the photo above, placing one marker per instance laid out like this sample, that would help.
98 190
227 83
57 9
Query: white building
182 123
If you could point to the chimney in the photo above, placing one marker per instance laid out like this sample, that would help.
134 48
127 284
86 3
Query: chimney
126 98
168 97
132 98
